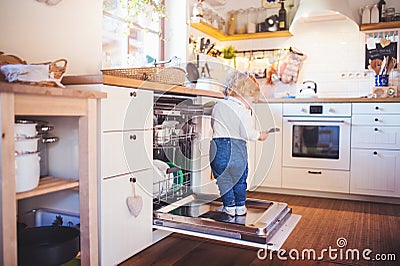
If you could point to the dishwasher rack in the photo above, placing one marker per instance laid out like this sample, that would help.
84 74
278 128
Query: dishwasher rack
175 186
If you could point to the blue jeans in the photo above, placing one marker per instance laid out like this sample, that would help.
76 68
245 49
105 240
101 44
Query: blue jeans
229 165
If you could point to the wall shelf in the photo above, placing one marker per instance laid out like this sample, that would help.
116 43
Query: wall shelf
213 32
47 185
380 26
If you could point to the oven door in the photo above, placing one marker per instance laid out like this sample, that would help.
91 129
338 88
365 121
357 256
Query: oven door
322 142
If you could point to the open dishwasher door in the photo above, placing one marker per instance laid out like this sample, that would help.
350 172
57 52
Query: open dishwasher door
185 196
266 225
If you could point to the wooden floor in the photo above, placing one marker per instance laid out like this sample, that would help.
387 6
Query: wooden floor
364 225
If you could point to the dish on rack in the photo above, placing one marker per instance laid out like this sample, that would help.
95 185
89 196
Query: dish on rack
162 181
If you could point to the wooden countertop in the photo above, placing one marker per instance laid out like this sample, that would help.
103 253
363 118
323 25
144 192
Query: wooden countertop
21 88
133 83
147 85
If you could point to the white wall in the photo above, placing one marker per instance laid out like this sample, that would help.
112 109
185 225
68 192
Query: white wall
332 48
38 33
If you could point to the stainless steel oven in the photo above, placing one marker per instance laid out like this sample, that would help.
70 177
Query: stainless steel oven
317 135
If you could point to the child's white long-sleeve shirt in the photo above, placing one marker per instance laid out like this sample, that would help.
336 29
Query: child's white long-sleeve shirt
231 119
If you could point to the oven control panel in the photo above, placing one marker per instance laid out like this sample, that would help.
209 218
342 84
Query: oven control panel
317 109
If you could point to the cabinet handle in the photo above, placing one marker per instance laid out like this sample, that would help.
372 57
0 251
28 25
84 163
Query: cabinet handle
132 137
315 172
376 107
375 153
376 129
132 93
376 119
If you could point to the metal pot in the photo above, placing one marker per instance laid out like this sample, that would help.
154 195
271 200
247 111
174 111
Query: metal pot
47 245
27 145
27 171
25 129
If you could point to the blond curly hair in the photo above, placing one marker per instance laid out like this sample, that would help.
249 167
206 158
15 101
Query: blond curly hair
241 84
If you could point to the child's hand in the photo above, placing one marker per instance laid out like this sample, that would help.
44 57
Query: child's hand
263 135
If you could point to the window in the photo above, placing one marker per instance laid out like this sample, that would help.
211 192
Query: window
129 41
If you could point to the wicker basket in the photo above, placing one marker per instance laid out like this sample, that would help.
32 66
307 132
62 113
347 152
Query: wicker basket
168 75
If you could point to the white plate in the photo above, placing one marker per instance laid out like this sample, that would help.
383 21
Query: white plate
162 181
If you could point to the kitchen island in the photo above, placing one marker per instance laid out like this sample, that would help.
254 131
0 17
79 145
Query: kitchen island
18 99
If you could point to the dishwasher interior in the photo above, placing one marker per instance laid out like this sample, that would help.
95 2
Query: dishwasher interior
185 196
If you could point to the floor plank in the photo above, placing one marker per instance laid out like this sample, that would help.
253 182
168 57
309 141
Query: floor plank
363 225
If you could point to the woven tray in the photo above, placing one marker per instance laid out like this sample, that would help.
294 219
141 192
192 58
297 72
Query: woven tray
168 75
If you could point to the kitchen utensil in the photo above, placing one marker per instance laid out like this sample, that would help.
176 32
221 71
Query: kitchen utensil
134 202
47 245
27 171
25 129
26 145
376 65
308 90
207 69
274 130
391 65
192 72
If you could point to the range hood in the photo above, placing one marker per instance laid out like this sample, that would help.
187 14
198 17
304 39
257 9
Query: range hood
322 10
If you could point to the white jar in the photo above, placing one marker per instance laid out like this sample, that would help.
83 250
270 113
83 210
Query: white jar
375 14
366 15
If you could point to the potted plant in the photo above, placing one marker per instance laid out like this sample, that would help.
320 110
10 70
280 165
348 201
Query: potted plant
229 52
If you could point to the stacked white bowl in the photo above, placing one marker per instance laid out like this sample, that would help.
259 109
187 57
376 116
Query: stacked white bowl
27 160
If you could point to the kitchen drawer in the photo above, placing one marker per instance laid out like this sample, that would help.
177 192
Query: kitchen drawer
376 120
328 109
376 108
375 172
375 137
123 152
316 179
126 108
122 235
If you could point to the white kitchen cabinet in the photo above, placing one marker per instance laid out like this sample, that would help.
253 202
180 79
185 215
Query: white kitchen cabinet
126 108
375 149
316 179
375 172
126 150
267 164
122 234
376 137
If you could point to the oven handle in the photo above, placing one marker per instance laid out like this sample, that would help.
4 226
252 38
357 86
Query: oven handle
316 121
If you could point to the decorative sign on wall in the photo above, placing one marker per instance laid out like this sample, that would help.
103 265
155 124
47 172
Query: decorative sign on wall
380 45
380 52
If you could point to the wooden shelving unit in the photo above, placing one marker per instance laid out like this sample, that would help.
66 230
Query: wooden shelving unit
213 32
47 185
380 26
34 100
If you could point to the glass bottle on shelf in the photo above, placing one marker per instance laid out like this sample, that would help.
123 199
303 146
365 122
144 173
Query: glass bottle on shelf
282 17
251 20
232 20
261 15
382 7
197 10
241 21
